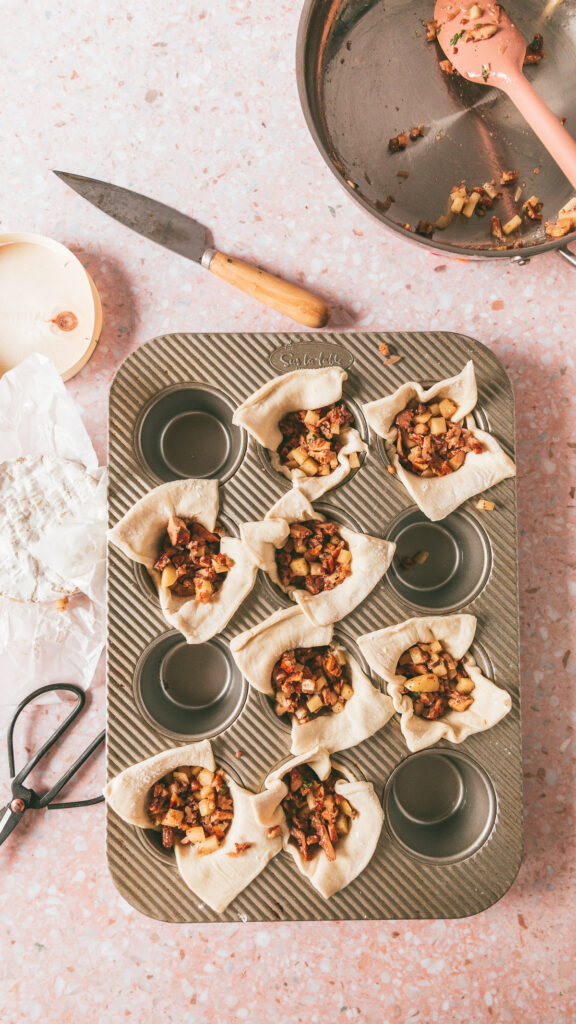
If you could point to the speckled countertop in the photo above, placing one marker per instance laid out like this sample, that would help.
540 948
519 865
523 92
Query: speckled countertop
196 102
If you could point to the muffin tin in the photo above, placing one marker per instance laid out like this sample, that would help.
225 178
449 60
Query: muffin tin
452 840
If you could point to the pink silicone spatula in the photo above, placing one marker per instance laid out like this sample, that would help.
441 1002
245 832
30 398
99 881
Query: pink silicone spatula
486 47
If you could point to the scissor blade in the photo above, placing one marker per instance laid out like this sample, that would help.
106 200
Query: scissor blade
159 223
8 821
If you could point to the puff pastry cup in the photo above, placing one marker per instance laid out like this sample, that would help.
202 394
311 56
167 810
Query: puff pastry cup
371 557
354 850
439 495
382 650
300 389
257 650
216 878
139 534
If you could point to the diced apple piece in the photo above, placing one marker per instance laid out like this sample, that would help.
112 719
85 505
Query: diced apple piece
314 703
437 425
311 418
417 655
324 471
346 692
512 225
169 576
315 569
181 777
439 668
447 408
301 714
196 834
340 656
300 567
435 647
471 204
335 427
422 417
205 777
299 455
484 505
205 807
206 793
209 846
465 685
354 460
310 467
344 556
423 684
321 682
173 818
346 808
434 409
457 460
338 707
308 686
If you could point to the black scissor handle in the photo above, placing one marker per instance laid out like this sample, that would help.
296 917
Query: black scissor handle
18 779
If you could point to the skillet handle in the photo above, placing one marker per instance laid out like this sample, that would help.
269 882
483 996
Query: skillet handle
568 255
287 298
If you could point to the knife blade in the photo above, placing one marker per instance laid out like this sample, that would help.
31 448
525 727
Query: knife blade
187 237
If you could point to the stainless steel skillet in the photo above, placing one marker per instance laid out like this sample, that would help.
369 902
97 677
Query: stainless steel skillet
365 72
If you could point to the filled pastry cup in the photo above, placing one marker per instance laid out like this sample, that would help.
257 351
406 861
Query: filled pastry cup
139 535
383 650
356 716
301 390
370 557
216 877
437 496
352 850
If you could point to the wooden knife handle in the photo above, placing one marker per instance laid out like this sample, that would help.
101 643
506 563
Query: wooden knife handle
289 299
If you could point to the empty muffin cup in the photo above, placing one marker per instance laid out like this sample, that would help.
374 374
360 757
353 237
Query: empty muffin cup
440 805
189 691
439 566
187 431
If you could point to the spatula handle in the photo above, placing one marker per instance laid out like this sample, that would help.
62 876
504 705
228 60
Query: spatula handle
546 125
287 298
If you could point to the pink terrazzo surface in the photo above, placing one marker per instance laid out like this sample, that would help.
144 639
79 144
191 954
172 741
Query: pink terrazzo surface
196 102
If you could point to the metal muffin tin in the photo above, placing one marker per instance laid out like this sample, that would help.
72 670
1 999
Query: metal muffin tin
450 847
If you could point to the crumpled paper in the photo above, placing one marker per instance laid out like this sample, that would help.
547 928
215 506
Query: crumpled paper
43 643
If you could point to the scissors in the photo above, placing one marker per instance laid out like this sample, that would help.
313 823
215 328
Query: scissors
24 799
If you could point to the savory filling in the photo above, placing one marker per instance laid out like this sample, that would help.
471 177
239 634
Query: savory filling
314 558
311 439
192 805
190 560
310 681
435 681
316 815
429 443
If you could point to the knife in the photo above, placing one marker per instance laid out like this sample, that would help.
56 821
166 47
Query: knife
186 236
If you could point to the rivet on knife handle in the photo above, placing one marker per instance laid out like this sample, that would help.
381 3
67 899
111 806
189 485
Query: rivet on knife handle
286 298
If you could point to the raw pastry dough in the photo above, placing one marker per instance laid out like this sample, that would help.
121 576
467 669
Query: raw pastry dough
216 878
371 557
37 492
300 389
258 649
383 648
353 851
139 533
438 496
